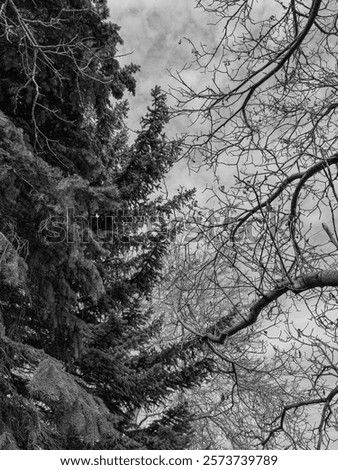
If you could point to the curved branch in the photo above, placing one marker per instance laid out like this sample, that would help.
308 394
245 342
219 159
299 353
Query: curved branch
268 201
303 177
306 175
297 285
294 406
295 44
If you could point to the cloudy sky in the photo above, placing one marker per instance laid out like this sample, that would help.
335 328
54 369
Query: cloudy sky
153 32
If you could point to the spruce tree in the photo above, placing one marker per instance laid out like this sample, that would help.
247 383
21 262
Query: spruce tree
79 355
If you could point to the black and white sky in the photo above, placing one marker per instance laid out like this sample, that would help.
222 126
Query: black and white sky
155 34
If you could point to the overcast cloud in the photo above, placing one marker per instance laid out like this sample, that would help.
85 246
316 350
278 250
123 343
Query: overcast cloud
153 32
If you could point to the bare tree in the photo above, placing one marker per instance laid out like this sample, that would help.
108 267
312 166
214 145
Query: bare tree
264 117
247 385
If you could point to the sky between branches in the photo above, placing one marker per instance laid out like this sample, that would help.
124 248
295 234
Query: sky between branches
153 32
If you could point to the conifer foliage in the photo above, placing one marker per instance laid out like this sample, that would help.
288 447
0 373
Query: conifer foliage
80 366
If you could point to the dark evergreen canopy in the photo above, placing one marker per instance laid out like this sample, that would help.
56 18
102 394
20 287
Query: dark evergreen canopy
79 356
